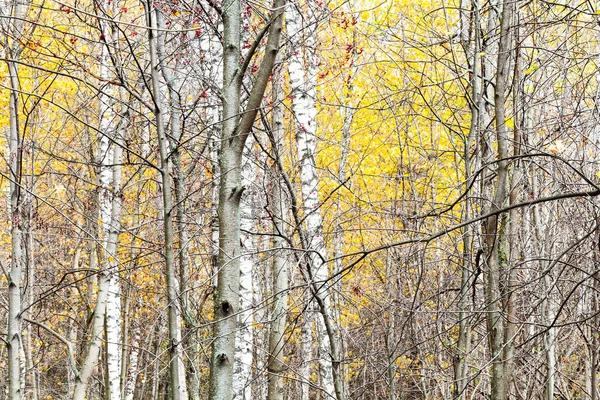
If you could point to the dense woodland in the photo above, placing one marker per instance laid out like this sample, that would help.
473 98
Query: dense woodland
299 199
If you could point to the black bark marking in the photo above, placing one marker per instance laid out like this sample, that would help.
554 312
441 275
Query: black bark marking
226 307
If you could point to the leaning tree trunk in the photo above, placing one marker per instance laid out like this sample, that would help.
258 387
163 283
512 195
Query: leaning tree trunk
110 250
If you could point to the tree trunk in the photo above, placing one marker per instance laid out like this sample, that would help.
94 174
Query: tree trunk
303 87
14 340
110 181
464 335
110 250
280 274
190 343
242 375
177 382
495 227
235 130
129 386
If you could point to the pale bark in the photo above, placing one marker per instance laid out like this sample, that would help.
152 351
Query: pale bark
338 239
31 282
226 296
177 381
112 194
11 21
303 86
110 183
111 265
279 269
110 250
306 341
212 49
242 373
129 387
14 341
108 303
235 129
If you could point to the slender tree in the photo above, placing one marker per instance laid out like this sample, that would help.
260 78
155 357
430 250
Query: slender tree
12 16
178 387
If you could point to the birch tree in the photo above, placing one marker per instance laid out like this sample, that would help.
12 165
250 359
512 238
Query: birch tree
279 268
303 86
111 153
12 17
110 179
242 377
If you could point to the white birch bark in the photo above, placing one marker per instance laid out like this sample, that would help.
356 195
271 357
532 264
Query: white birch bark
108 304
109 243
211 50
95 345
110 177
129 390
242 369
173 80
16 377
14 340
113 303
111 198
280 274
303 87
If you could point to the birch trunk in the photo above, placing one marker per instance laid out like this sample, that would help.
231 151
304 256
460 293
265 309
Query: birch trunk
110 242
110 180
280 274
303 86
177 383
14 340
242 375
244 338
129 389
110 177
213 72
226 299
112 127
338 239
110 214
190 343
